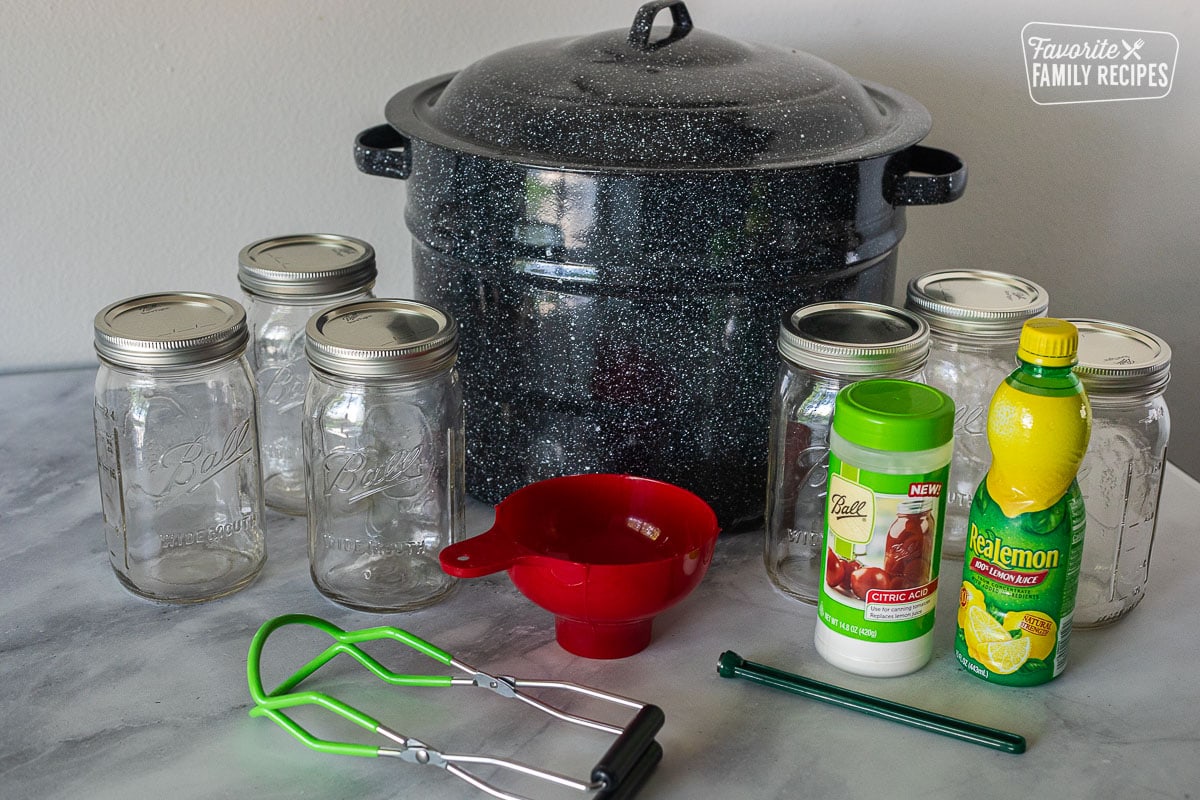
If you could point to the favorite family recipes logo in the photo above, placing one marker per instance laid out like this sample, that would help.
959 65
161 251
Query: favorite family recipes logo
1086 64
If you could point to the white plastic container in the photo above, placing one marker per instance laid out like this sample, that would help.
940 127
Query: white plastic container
889 463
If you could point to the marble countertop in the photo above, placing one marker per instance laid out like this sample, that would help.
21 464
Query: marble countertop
109 696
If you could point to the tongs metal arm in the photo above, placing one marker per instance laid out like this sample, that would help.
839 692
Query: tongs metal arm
619 773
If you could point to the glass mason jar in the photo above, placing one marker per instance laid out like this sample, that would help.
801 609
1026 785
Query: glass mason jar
824 347
908 549
286 280
177 446
1125 372
383 445
975 318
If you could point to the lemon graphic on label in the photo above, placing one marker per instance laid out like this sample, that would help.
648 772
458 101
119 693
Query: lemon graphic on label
968 596
982 629
1038 628
1005 657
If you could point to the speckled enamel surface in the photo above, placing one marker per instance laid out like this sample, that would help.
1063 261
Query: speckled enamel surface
627 323
619 226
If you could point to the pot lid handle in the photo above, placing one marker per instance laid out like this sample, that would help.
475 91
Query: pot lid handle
639 32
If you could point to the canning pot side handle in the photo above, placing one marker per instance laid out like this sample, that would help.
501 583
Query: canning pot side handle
383 151
940 177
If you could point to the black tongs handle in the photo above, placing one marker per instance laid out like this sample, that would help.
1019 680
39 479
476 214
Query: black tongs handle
631 758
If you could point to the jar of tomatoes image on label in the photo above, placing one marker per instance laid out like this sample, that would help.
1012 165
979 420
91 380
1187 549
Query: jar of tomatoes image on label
890 448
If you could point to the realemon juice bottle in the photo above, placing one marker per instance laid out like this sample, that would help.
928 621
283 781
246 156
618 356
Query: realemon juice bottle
1025 530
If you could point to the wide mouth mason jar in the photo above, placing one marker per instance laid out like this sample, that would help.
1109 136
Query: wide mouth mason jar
286 279
975 318
383 446
177 446
1125 371
823 347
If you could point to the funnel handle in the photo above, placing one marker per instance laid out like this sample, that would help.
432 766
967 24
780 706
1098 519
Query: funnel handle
494 550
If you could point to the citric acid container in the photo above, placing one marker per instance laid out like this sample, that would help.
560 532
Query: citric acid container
889 460
1026 526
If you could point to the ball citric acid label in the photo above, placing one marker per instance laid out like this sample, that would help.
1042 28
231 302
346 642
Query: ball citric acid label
851 513
880 578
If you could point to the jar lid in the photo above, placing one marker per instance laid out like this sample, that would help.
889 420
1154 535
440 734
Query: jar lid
382 339
888 414
853 338
976 301
170 329
651 97
1116 358
304 266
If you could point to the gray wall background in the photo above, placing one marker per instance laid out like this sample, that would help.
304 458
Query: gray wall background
145 143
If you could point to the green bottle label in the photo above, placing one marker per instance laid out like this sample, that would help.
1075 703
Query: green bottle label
1018 592
882 550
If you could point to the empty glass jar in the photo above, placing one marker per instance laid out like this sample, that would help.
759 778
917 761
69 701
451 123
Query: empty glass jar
383 443
1125 372
286 280
177 446
975 318
825 346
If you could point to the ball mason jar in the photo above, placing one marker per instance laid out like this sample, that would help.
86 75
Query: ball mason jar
177 446
1124 371
286 280
910 543
824 347
975 318
383 444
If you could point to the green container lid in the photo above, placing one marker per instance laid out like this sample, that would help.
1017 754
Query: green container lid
887 414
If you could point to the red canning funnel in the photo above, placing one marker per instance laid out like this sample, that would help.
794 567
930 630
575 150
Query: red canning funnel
603 553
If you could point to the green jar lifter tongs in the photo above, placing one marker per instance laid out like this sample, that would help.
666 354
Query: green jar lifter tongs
618 774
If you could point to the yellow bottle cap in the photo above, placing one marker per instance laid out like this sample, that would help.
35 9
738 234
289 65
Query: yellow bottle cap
1048 342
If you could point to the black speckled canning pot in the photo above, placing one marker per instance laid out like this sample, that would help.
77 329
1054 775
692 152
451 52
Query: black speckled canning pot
619 221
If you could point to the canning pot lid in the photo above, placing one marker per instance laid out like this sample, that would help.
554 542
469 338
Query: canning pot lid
649 99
